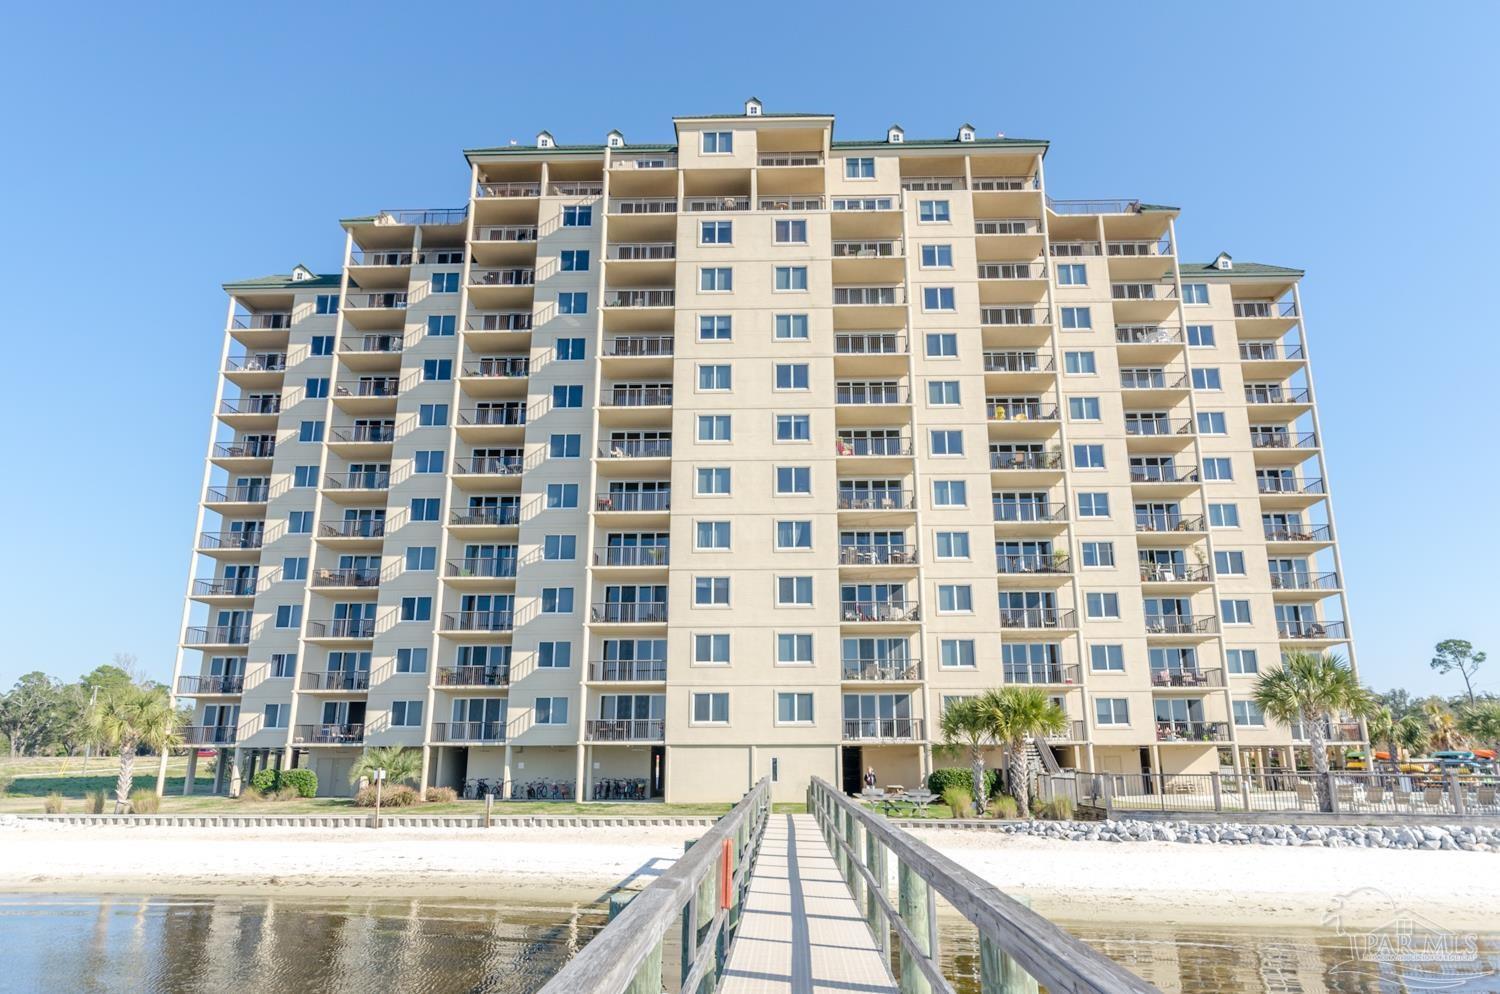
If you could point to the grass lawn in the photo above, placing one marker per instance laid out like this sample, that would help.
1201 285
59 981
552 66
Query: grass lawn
25 766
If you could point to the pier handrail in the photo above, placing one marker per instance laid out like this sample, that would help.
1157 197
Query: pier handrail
1008 930
626 955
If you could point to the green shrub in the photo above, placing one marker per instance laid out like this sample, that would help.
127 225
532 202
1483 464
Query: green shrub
93 802
441 795
52 804
1057 809
958 800
1003 806
938 781
272 782
144 801
395 796
264 782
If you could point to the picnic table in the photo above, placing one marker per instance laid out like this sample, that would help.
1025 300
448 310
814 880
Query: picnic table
897 801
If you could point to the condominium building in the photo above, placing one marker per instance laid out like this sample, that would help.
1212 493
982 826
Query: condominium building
673 466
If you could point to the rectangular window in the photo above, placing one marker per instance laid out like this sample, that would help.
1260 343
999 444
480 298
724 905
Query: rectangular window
712 535
571 349
321 345
718 142
790 231
1111 711
715 279
1200 336
932 211
791 327
715 427
283 664
714 377
1224 515
565 446
294 568
1229 563
327 303
1072 274
554 655
794 709
1076 318
559 548
711 591
406 714
1234 612
557 600
794 649
942 393
1088 457
1206 378
1099 554
1242 662
942 345
411 660
952 545
578 216
299 522
416 609
432 415
710 708
1218 468
937 256
1079 364
428 461
860 167
276 715
1107 658
575 302
1248 713
289 616
317 387
938 298
425 508
567 395
441 325
955 598
444 282
1195 293
793 428
1212 423
713 481
793 480
1083 408
421 558
947 442
551 711
791 277
574 260
950 493
304 476
1102 606
1093 505
792 376
714 327
715 232
711 649
956 653
794 591
561 495
310 431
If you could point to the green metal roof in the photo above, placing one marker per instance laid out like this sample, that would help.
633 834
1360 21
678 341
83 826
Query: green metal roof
1243 270
730 117
554 150
284 281
931 142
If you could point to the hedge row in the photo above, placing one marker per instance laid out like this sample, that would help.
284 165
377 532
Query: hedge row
303 781
940 780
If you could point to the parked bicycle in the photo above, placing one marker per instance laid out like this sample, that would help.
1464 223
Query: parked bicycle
543 790
620 789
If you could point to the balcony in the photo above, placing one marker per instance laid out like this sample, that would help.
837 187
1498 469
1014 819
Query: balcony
514 233
1037 618
1333 731
638 613
876 500
1012 271
1147 335
468 731
648 502
628 670
1004 184
368 577
868 343
479 621
251 411
342 628
372 351
1145 380
1270 352
1019 411
255 493
515 277
868 296
498 416
370 388
667 161
882 729
217 635
201 735
473 676
486 321
509 367
1166 521
486 517
875 670
513 189
645 556
1297 533
900 612
1181 624
1018 362
785 160
849 446
333 734
1303 580
642 205
1035 320
1073 732
878 555
358 480
639 346
391 300
209 686
1263 395
641 252
1311 486
488 466
1009 226
1185 678
864 204
585 188
270 362
624 730
1009 511
335 681
240 586
1312 631
1191 731
1139 427
702 205
1040 674
879 248
870 394
621 396
640 298
356 528
637 448
1032 563
1173 573
1265 310
230 541
1046 460
262 321
1275 440
1164 474
486 568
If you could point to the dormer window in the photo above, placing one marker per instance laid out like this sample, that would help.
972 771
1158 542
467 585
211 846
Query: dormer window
966 133
752 107
301 273
615 140
1224 262
895 135
544 140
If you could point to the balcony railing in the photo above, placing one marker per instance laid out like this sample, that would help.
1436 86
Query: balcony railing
698 205
498 321
629 346
353 528
489 466
1006 410
358 481
876 500
902 611
997 184
251 405
1335 630
888 248
624 730
390 300
1032 562
373 344
1147 427
231 540
1026 460
479 621
508 514
1011 317
366 577
882 729
239 586
1181 624
790 159
1040 673
385 386
634 613
468 731
855 446
1173 573
644 162
275 363
505 415
1140 247
342 628
1018 362
636 397
649 501
496 567
330 734
638 448
642 252
1282 439
1142 291
1012 271
628 670
191 686
351 680
505 233
868 295
1276 395
1152 379
632 555
1164 677
870 393
513 189
862 204
1037 617
1073 732
1253 309
1270 352
1008 226
1166 473
210 735
1008 510
1303 580
217 635
473 676
1167 521
868 343
510 366
1147 335
502 277
1298 533
1191 731
255 493
643 205
640 298
857 668
585 188
1333 731
1289 485
877 555
264 321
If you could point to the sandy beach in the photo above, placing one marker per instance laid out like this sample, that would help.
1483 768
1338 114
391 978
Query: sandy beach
1073 881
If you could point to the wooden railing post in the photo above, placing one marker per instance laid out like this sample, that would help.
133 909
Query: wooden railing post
1218 790
998 973
1245 791
856 881
689 940
648 977
875 860
915 911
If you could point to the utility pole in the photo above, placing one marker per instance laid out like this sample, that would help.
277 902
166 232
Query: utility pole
88 747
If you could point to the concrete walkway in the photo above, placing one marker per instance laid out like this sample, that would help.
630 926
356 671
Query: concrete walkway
801 932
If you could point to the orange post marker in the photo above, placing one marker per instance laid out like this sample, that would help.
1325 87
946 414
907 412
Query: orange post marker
726 876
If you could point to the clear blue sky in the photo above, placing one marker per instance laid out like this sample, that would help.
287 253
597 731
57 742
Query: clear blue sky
153 154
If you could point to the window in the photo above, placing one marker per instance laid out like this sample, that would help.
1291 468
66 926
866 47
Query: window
559 548
956 653
942 393
715 232
557 600
794 591
304 476
1234 612
428 461
718 142
710 708
551 711
571 349
932 211
715 279
444 282
317 387
713 481
565 446
432 415
1212 423
715 427
1111 711
1088 457
952 545
1093 505
441 325
791 277
1083 408
937 256
1195 293
1218 468
421 558
1206 378
1242 661
310 431
276 715
861 167
579 216
794 709
1224 515
793 428
950 493
942 345
711 649
425 508
411 660
1099 555
712 535
406 714
1248 713
711 591
283 664
416 609
294 568
794 649
947 442
327 303
793 480
955 598
1200 336
574 260
567 395
1072 274
938 298
299 522
1076 318
791 327
1229 563
554 655
573 302
561 495
289 616
1079 364
321 345
790 231
714 377
714 327
1102 606
791 376
1107 658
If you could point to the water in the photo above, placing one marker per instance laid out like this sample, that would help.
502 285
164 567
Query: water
193 945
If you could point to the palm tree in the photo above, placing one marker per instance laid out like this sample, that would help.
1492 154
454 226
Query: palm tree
1310 689
1016 716
399 763
130 718
1405 733
1482 721
1442 726
967 730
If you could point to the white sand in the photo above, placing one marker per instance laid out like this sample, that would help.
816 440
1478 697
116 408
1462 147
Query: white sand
1070 881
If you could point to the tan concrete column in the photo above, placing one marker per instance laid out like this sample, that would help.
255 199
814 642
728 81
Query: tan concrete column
192 771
